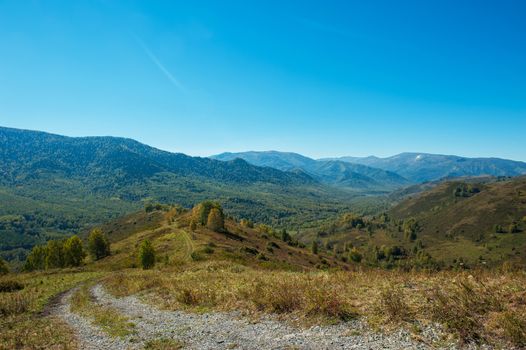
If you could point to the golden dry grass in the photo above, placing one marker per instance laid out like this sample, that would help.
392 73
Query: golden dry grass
24 324
473 306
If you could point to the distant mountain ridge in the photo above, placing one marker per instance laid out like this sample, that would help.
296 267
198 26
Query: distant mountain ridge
28 153
422 167
356 177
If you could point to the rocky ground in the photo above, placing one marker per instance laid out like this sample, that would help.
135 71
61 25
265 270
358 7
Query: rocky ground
228 330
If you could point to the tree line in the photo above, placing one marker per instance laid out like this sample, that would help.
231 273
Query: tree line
68 252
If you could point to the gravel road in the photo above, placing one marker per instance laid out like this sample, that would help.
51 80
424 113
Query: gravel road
220 330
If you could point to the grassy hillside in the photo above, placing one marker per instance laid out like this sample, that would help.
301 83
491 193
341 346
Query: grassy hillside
452 224
176 243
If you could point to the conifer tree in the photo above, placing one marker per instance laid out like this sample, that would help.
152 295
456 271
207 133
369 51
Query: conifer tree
146 255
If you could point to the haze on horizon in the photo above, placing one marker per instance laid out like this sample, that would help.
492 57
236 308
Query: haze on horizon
322 79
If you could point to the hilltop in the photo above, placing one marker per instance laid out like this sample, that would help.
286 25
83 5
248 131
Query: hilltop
177 243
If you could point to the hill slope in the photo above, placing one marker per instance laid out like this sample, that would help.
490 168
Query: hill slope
53 185
473 223
356 177
421 167
172 237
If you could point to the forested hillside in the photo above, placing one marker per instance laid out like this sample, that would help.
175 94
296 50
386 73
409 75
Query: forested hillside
53 186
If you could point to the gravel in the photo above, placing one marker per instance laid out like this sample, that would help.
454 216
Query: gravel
229 330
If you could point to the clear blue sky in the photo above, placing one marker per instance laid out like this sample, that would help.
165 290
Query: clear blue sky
327 78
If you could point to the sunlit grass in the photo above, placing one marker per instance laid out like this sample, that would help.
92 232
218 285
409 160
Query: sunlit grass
465 303
23 325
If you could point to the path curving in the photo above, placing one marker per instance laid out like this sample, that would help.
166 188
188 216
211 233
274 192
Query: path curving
220 330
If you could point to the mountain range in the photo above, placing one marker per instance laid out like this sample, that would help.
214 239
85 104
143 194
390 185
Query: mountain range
422 167
382 173
351 176
52 186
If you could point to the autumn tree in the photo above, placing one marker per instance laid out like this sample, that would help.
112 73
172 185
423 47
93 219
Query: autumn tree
98 244
216 220
201 211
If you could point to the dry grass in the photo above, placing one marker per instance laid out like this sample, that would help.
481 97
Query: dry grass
393 305
22 324
468 307
14 304
464 305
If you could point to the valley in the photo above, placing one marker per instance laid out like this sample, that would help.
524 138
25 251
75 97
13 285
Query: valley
107 243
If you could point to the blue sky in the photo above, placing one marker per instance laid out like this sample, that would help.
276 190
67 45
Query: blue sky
327 78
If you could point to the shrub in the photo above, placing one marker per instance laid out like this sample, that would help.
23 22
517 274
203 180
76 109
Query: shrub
355 255
4 270
10 286
195 256
328 302
513 228
208 250
262 257
411 227
146 255
98 244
